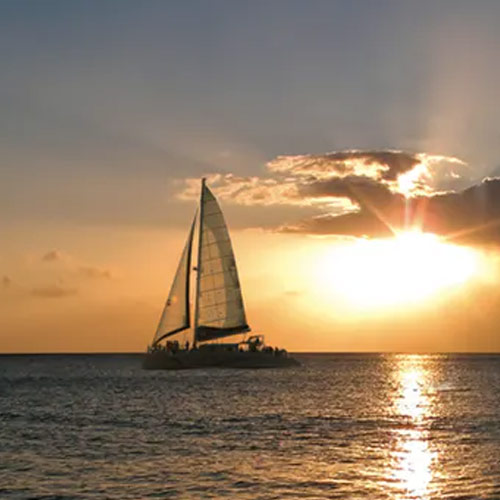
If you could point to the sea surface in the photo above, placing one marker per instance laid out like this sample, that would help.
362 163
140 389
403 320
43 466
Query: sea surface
341 426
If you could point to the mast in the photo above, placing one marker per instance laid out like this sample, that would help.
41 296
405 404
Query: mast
188 271
198 264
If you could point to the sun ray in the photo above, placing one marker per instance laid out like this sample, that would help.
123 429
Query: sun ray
472 229
373 209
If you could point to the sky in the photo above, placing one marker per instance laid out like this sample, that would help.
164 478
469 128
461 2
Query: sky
325 128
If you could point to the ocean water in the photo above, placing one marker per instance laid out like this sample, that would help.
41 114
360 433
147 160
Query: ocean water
341 426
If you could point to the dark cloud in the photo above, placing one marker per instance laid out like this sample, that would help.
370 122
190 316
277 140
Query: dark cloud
359 189
6 281
378 209
360 224
468 216
53 291
472 215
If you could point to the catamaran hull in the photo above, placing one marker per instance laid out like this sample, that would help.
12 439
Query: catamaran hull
161 360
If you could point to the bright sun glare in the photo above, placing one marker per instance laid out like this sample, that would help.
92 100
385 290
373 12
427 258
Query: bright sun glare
405 269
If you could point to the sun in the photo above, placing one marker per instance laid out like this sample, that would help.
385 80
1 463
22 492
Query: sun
408 268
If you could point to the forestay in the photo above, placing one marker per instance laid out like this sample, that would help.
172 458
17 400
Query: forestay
220 310
175 316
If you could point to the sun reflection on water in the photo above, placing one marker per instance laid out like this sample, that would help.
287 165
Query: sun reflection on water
412 402
413 462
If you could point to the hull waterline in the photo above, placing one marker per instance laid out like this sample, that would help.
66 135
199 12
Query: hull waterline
185 360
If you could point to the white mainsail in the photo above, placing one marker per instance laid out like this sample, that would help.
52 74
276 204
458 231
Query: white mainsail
175 316
219 308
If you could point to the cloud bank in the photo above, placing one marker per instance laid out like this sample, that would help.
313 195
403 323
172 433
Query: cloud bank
370 193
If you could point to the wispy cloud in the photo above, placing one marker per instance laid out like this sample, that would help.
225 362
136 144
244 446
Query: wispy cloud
289 179
95 272
74 265
246 190
53 291
59 275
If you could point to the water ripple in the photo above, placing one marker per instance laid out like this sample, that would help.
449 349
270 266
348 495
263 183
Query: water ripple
343 426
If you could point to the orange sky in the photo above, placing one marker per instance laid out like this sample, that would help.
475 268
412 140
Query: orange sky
334 119
101 290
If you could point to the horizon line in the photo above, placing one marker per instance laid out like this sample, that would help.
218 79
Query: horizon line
137 353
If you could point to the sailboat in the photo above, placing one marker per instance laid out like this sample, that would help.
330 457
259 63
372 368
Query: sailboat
219 311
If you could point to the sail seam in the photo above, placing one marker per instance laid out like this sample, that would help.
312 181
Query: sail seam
211 275
211 259
215 304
